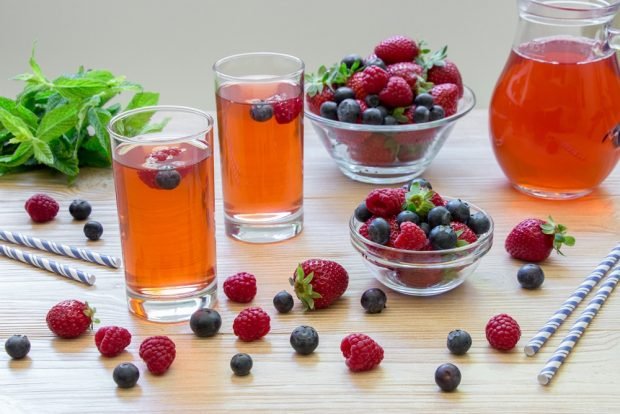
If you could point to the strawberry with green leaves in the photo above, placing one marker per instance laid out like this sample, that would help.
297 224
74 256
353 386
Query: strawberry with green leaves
440 70
533 240
318 283
421 200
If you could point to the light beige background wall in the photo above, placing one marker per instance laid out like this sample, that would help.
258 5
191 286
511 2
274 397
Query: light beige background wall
170 46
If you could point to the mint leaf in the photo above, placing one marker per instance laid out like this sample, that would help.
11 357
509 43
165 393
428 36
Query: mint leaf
64 161
142 99
57 122
14 108
36 69
14 124
23 152
104 76
42 152
134 125
78 88
98 119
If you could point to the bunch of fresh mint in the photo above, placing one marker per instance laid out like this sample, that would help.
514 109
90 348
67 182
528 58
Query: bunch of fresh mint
61 124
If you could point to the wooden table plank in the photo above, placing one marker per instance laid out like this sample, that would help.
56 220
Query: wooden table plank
70 376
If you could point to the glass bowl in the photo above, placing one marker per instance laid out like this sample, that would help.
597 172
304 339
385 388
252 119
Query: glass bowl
386 154
421 273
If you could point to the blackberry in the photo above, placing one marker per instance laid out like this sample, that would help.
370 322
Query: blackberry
93 230
348 110
459 210
448 377
373 102
17 346
373 300
126 375
372 116
362 213
425 100
329 110
436 113
304 340
349 60
439 216
168 179
479 223
80 209
379 231
241 364
459 342
342 93
261 112
421 114
407 215
205 322
442 237
530 276
283 301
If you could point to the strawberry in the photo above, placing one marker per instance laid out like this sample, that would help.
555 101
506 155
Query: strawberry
374 150
396 93
374 79
440 70
446 95
286 110
397 49
532 240
356 82
318 283
420 200
316 100
465 235
70 318
409 71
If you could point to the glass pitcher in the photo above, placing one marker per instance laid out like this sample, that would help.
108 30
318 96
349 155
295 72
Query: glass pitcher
555 112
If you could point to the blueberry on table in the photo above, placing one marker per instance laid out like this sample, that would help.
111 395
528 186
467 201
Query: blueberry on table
241 364
436 113
304 340
459 342
372 116
421 115
373 300
342 93
329 110
261 112
530 276
349 60
448 377
407 215
126 375
93 230
283 301
459 210
362 213
425 100
80 209
205 322
168 179
379 231
373 101
439 216
17 346
442 237
479 223
348 110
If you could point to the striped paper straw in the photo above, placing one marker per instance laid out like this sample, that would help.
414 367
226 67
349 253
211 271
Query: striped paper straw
60 249
49 265
552 325
567 345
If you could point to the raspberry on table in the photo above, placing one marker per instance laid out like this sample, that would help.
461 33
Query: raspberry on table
158 352
385 202
41 208
411 237
362 353
240 287
503 332
112 340
251 324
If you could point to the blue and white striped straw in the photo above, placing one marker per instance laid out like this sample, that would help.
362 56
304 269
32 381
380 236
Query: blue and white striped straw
49 265
534 345
567 345
60 249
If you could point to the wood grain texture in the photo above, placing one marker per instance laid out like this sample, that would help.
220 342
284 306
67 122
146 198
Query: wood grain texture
70 376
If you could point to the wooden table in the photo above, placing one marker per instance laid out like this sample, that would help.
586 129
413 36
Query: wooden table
71 376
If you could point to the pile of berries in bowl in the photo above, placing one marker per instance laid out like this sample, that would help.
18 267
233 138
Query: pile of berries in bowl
418 242
383 119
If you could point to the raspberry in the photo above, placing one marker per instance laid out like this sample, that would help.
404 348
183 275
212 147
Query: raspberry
241 287
251 324
287 110
396 93
384 202
112 340
157 352
363 230
41 208
356 82
503 332
409 71
466 233
374 79
315 101
362 353
411 237
437 200
163 169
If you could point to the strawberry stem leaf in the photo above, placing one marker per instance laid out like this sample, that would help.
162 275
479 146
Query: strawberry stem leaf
303 288
558 231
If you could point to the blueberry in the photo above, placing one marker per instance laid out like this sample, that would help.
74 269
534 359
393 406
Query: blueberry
17 346
168 179
80 209
407 215
459 210
241 364
426 228
424 99
348 111
342 93
362 213
261 112
421 114
375 61
372 116
329 110
373 101
205 322
373 300
390 120
304 339
448 377
126 375
384 111
479 223
443 237
349 60
283 301
438 216
437 112
422 182
379 231
459 342
93 230
530 276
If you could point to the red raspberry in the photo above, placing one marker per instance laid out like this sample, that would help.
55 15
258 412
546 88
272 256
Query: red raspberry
402 193
158 352
503 332
41 208
409 71
363 230
397 49
161 159
286 110
164 154
396 93
466 233
240 287
438 200
411 237
363 107
374 79
251 324
384 202
315 101
356 82
362 353
112 340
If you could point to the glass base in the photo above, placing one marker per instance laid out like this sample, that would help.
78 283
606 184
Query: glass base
552 194
264 228
170 310
383 175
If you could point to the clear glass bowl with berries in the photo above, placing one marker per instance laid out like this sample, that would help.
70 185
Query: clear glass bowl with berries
384 118
417 242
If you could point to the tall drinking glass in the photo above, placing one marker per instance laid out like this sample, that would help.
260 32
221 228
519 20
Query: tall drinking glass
260 123
163 173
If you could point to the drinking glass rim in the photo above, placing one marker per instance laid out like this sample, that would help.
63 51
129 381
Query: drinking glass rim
603 8
143 139
221 61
